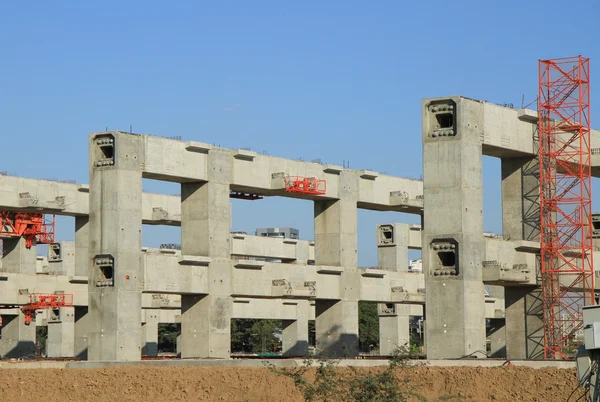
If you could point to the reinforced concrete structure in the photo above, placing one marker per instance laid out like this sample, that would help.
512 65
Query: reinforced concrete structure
122 290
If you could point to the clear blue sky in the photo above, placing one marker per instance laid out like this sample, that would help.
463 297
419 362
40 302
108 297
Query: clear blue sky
336 80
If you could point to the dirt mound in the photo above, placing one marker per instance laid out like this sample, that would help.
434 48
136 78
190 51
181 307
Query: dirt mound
150 384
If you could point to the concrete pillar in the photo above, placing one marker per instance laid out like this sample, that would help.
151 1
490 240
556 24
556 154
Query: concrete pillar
61 258
336 321
18 339
205 228
336 327
150 334
392 247
82 324
394 327
497 329
497 336
82 244
115 230
17 258
520 221
524 325
336 225
520 198
295 332
61 333
453 229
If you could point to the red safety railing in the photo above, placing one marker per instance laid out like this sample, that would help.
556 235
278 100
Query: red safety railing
34 228
40 301
305 185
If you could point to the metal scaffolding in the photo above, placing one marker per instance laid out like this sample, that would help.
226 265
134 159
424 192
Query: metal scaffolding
565 200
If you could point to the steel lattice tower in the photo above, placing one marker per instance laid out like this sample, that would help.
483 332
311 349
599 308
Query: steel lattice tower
565 200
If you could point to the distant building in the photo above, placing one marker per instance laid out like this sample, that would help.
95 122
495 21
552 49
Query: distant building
416 265
282 233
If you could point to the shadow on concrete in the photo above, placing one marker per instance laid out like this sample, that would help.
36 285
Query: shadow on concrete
497 334
531 199
299 349
81 321
150 349
19 349
534 325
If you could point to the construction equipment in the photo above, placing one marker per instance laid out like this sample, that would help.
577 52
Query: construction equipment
41 301
35 228
305 185
566 251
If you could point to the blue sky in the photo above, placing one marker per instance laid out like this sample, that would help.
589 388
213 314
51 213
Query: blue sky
336 80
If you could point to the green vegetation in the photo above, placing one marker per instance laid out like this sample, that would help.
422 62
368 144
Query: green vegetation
368 327
167 337
253 336
334 384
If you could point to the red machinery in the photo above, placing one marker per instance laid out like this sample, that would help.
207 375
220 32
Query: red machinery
38 301
35 228
566 250
305 185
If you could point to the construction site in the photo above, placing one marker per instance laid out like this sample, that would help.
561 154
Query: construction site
515 298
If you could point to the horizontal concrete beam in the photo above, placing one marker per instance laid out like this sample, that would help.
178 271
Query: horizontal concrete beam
178 161
507 132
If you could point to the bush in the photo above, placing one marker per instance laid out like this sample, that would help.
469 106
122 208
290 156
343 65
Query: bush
334 384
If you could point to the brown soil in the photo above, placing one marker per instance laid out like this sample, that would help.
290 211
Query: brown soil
148 384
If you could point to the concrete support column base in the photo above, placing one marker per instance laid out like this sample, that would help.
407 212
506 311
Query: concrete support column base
18 339
61 335
336 327
524 326
150 334
394 329
497 337
295 333
206 326
82 322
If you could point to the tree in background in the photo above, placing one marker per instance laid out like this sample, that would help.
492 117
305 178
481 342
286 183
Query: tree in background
253 336
368 326
167 337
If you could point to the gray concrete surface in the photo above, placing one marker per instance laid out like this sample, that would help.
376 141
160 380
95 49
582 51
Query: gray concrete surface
218 276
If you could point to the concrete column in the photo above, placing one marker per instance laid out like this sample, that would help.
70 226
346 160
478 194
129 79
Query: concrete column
524 325
61 334
17 258
392 247
18 339
82 324
205 228
150 334
82 244
453 229
497 330
394 327
497 336
61 258
336 226
336 327
295 332
336 321
115 230
521 198
521 221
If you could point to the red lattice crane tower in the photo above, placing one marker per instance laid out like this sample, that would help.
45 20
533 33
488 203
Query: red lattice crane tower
565 200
